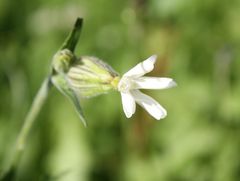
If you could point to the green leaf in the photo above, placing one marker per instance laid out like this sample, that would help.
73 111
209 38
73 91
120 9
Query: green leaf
72 39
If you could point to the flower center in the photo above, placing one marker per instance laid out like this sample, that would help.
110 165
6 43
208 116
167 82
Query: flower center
125 84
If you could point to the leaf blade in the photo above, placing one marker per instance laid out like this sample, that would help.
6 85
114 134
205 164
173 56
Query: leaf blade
72 39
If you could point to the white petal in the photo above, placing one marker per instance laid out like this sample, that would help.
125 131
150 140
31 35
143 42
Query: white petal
154 83
128 103
142 68
149 104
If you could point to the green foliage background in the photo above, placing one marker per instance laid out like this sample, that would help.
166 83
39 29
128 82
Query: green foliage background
198 43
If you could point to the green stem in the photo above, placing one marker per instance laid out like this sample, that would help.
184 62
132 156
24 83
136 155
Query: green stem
28 122
31 117
70 43
42 94
32 114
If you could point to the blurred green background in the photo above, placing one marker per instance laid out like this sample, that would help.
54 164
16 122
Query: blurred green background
198 43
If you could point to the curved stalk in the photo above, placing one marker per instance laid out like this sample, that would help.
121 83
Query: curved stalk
35 108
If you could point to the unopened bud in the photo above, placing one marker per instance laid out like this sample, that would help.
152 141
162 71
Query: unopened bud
82 77
89 76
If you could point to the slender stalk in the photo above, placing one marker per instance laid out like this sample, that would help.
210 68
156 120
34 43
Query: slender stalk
32 114
35 108
70 44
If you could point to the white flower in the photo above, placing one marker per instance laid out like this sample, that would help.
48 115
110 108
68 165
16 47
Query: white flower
134 80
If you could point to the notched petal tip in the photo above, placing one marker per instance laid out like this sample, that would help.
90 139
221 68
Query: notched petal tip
152 59
128 115
142 68
128 104
162 116
154 83
150 105
148 64
172 83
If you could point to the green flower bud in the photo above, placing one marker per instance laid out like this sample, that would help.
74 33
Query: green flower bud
89 76
82 77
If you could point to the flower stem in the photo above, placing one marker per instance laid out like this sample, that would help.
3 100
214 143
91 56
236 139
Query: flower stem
35 108
32 114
